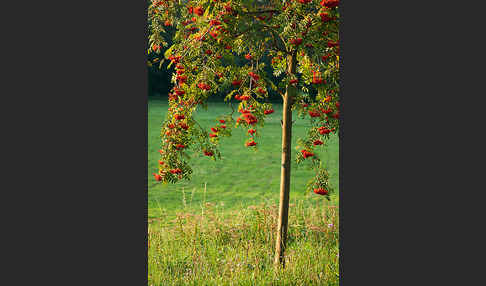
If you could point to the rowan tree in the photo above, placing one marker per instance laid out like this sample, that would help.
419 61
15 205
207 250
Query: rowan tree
300 37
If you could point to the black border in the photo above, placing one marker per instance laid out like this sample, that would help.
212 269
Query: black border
341 143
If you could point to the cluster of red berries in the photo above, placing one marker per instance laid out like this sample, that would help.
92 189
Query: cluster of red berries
184 126
306 154
296 42
187 22
261 90
179 92
268 111
254 76
156 47
181 79
248 56
326 111
314 113
180 146
276 59
325 17
323 130
318 142
250 143
236 82
321 191
157 177
214 23
204 86
176 171
198 11
330 3
175 59
250 118
242 97
316 78
332 44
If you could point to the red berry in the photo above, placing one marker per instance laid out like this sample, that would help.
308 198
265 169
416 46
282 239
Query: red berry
314 113
254 76
199 11
321 191
330 3
176 171
323 130
157 177
214 23
296 42
306 154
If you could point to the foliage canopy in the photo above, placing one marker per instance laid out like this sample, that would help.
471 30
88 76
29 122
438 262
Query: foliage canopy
210 38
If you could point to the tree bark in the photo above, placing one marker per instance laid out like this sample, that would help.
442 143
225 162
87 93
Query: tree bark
283 214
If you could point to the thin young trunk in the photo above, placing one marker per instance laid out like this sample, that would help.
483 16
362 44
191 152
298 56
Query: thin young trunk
283 214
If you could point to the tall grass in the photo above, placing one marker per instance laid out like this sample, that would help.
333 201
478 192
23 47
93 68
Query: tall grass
216 247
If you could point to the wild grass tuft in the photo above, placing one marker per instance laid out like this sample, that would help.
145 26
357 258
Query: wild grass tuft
237 247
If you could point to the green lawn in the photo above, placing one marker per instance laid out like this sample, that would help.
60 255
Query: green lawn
243 177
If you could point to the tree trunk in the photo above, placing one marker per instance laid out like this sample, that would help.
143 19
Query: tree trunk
283 214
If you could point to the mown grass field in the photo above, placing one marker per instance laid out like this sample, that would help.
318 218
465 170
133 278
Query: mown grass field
243 177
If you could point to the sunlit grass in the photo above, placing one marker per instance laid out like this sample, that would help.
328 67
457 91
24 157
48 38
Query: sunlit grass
243 177
209 248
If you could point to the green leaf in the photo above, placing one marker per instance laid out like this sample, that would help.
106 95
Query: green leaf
168 52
